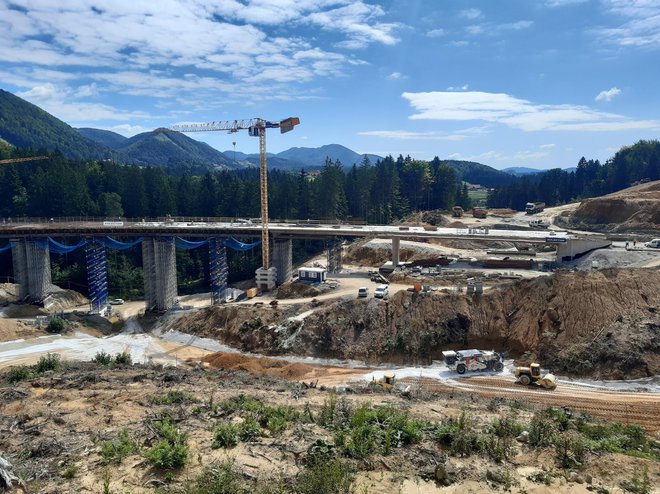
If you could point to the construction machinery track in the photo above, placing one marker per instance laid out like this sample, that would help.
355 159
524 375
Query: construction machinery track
615 406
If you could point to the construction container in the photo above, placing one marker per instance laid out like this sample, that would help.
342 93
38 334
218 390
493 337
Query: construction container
417 287
251 292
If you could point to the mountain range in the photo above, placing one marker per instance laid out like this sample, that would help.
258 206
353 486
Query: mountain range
23 124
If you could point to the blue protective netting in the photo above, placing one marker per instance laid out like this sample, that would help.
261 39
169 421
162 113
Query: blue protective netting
59 248
6 247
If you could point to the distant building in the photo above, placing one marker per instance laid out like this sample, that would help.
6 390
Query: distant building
312 174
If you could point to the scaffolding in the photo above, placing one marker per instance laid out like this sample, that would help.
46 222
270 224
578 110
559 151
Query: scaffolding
334 250
159 266
218 269
97 276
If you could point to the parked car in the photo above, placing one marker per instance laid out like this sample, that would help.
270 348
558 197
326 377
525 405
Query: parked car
363 291
116 301
382 291
654 244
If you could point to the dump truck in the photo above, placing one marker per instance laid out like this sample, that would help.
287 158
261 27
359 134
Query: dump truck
473 360
457 212
479 212
534 207
532 376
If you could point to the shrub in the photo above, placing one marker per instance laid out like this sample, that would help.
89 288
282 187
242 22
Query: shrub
329 477
48 362
217 479
19 373
123 358
171 451
241 403
102 358
225 436
55 326
249 429
571 449
70 472
115 451
167 456
541 430
639 483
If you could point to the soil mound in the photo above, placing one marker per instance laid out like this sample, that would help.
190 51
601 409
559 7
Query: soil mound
259 366
297 290
636 209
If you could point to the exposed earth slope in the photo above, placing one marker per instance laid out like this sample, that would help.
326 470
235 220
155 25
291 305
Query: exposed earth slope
602 324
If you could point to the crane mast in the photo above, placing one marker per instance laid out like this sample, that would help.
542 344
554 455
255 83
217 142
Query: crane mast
256 127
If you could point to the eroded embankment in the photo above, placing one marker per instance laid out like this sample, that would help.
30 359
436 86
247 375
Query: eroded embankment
604 324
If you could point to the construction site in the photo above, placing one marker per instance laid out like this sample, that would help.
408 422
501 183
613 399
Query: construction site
562 336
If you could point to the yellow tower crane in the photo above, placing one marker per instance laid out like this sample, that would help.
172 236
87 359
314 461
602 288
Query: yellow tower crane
256 127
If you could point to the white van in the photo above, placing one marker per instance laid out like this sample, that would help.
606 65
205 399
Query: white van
363 291
382 291
654 244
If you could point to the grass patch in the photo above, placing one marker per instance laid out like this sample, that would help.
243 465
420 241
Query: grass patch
173 397
171 451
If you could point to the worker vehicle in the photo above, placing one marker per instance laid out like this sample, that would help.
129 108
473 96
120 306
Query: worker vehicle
479 213
541 224
532 375
386 382
654 244
116 301
457 212
534 207
382 291
473 360
363 291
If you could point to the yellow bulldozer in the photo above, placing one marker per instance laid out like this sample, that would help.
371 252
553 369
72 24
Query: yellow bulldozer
531 376
386 382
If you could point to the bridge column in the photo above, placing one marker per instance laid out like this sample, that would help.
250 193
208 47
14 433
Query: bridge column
282 259
159 266
335 261
396 247
31 266
218 269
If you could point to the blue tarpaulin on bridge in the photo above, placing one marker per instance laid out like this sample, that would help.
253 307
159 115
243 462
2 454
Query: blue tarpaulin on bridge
234 244
58 248
6 247
111 243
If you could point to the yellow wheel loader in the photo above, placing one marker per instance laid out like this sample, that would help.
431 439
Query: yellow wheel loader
386 382
532 376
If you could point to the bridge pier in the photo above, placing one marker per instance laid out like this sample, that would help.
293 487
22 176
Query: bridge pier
396 248
335 261
159 266
31 266
283 259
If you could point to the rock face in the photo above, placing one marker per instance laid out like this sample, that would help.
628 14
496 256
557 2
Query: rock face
602 323
634 209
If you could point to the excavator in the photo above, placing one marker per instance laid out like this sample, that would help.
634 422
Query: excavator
531 376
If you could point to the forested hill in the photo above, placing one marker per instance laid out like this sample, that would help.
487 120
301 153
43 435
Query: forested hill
25 125
317 156
103 137
630 165
476 173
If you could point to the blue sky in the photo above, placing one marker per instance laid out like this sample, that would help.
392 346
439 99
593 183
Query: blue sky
535 83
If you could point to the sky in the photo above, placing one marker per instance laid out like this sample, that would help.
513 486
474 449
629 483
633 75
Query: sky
535 83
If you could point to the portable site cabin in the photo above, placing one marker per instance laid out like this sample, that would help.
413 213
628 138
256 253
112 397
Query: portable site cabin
313 275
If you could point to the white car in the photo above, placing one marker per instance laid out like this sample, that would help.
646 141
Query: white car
654 244
382 291
116 301
363 291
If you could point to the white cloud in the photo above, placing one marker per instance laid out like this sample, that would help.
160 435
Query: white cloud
641 27
517 113
471 13
517 158
608 95
464 87
127 130
436 33
563 3
396 76
548 146
459 135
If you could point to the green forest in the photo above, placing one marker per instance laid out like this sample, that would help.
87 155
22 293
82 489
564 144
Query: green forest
379 193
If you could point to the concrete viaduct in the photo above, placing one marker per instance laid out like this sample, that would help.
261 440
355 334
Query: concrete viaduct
30 241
